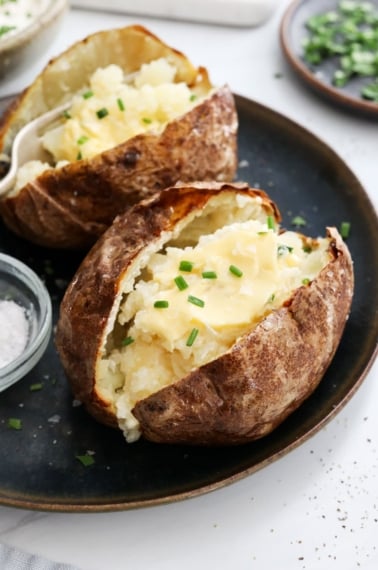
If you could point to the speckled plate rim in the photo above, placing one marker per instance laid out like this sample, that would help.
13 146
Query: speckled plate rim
370 354
296 62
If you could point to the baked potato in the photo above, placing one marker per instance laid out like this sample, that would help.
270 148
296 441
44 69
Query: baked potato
196 320
141 117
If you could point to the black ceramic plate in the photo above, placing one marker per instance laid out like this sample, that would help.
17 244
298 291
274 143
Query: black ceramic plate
292 33
39 468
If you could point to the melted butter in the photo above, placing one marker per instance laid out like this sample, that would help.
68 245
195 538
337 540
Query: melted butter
229 302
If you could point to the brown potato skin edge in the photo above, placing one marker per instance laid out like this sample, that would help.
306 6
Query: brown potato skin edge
70 207
247 392
89 298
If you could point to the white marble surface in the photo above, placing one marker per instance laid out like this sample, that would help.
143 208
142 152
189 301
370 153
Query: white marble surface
317 507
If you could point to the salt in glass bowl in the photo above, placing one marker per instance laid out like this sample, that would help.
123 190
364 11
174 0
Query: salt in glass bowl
20 284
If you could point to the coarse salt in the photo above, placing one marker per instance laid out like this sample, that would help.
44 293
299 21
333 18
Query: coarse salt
13 331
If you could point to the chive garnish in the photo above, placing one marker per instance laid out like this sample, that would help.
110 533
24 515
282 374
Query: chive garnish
345 229
86 459
181 283
192 337
101 113
127 340
5 29
14 423
88 94
193 97
307 248
271 298
83 139
147 120
121 105
79 156
161 304
196 301
298 221
271 223
284 249
66 114
186 266
35 387
305 281
209 275
235 271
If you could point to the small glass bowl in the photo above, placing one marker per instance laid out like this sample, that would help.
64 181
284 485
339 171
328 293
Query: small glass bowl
20 284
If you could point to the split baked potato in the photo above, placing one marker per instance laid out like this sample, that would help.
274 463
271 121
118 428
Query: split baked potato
141 117
194 319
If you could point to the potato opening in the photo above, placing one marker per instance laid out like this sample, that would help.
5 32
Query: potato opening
209 283
112 109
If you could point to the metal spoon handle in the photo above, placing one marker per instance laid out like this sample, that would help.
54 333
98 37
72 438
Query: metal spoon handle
27 145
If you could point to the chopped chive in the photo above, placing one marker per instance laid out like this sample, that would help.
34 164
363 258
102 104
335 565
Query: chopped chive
235 271
262 233
79 156
271 223
14 423
298 221
121 105
192 337
186 266
102 113
161 304
88 94
271 298
66 114
147 120
86 459
305 281
193 97
36 387
307 248
209 275
127 340
5 29
181 283
284 249
196 301
345 229
83 139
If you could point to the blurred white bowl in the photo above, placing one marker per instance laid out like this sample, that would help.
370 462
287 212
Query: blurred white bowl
19 49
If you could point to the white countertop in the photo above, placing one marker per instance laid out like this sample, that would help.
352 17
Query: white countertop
317 507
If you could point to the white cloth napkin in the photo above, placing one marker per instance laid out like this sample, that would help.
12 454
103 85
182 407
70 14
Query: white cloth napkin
12 558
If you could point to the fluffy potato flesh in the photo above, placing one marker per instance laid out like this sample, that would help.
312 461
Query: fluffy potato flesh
191 303
111 109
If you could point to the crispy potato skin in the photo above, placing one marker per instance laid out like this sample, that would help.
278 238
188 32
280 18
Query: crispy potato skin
70 207
250 390
245 393
90 296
